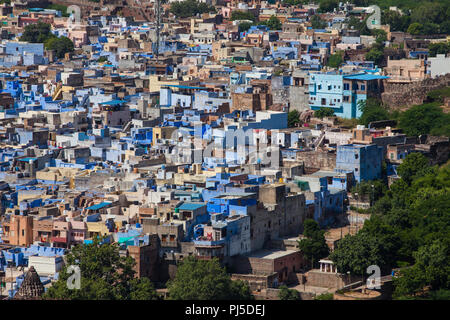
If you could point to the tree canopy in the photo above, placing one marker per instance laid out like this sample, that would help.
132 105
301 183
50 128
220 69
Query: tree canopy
418 17
438 48
372 110
317 22
61 45
273 23
288 294
190 8
293 118
328 5
244 26
105 275
410 220
314 247
37 33
427 118
324 112
205 280
242 15
335 60
41 33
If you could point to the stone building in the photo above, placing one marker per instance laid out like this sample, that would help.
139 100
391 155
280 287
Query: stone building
278 214
147 258
31 288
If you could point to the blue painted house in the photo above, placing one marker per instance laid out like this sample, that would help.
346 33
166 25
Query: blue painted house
364 160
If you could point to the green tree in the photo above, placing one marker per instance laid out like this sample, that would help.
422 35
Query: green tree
409 226
244 26
37 33
314 247
59 7
415 28
190 8
328 5
324 296
380 35
102 59
396 21
438 48
429 12
410 282
431 269
357 24
105 275
335 60
372 110
289 3
61 45
273 23
355 253
317 22
324 112
242 15
205 280
374 189
425 119
293 118
375 54
414 165
288 294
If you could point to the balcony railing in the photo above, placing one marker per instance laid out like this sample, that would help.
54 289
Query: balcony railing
206 243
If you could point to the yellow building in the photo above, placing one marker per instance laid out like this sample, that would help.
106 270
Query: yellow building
96 229
162 133
156 81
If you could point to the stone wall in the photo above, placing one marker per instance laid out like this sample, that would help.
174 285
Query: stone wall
317 159
315 278
401 95
256 282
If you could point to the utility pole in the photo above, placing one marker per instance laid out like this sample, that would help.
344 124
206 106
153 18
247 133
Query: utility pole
158 26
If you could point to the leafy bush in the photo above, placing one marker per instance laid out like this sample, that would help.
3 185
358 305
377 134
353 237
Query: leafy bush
323 113
190 8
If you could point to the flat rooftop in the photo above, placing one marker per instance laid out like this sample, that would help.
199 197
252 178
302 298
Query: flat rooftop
270 254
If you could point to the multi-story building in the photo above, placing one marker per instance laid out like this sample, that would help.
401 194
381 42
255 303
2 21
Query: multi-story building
343 92
364 160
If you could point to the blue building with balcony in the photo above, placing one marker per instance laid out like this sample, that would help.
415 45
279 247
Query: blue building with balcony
343 92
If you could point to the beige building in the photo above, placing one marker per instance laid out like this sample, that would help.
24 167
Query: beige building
406 70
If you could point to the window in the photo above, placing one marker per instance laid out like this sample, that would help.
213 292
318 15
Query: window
346 98
356 156
319 87
363 87
346 86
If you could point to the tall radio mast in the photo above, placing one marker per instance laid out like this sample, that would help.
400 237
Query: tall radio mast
158 26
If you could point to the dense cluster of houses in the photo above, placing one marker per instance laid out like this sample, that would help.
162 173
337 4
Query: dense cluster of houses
189 152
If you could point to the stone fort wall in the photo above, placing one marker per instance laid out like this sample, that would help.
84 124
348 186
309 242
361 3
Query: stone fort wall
406 95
